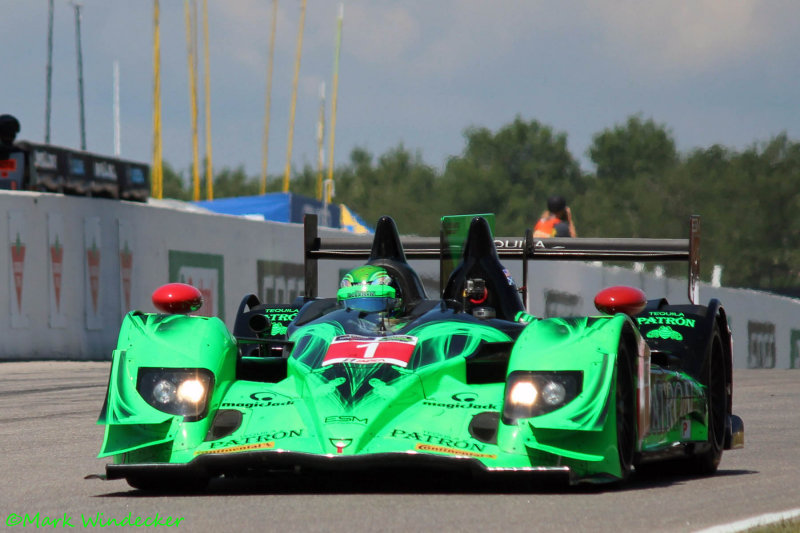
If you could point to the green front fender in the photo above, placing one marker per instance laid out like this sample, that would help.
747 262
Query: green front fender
162 341
583 429
587 345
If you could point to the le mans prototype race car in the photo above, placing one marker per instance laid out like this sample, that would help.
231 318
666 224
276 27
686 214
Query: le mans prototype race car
466 381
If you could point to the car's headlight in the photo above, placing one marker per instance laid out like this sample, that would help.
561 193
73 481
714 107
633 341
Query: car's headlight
531 394
178 391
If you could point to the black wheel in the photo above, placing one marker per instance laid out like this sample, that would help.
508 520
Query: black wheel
714 378
626 411
176 484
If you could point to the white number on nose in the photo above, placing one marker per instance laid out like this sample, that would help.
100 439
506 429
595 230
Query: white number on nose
371 348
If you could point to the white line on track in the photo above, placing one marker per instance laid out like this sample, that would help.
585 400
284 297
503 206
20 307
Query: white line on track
755 521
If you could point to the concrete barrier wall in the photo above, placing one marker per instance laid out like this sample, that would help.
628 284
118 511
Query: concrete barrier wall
766 327
77 265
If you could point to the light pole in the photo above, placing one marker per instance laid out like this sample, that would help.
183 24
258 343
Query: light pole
80 72
49 72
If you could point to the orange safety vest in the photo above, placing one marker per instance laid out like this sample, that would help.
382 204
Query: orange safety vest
546 227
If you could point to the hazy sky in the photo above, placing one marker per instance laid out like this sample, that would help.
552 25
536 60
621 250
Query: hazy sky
416 72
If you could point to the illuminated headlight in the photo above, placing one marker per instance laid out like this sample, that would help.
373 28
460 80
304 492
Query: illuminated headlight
178 391
530 394
191 390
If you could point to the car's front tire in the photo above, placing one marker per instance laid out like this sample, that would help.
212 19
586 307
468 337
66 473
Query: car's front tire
625 399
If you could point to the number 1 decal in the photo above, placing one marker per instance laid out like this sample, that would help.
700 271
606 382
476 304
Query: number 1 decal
394 350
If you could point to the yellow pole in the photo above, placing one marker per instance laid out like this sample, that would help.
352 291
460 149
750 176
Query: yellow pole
157 175
329 188
288 169
193 103
209 166
321 140
265 142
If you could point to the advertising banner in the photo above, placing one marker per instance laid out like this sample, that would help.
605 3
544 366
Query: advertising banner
92 261
18 242
206 273
55 261
761 344
126 266
279 282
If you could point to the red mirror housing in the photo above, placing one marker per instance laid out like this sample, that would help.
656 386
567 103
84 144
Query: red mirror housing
620 299
177 298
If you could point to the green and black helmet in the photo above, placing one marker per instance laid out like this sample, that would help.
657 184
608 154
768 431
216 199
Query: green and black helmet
368 288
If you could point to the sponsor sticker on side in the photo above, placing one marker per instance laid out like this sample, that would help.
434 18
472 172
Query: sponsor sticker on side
453 451
243 448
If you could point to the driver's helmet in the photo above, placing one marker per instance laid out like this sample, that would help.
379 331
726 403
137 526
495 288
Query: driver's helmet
368 288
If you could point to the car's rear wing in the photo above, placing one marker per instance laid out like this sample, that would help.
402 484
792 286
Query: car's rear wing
527 248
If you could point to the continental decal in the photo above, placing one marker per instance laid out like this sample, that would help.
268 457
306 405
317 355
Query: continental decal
453 451
242 448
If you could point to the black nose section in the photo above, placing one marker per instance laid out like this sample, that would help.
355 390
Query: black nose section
386 243
479 240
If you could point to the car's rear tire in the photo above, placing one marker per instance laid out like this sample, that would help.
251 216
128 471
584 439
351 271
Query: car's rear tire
625 397
714 378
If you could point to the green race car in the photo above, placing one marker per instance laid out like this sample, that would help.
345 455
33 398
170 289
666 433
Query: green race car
384 376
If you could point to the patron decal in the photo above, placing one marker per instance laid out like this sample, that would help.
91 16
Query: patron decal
251 442
439 440
668 318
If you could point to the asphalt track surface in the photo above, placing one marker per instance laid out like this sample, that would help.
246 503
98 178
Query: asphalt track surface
49 441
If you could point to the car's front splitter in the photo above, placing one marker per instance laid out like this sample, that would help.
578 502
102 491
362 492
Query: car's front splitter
211 465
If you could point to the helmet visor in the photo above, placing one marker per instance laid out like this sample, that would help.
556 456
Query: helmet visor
364 297
369 304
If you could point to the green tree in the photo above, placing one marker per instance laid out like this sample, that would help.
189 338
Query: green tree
510 173
764 219
400 185
630 194
230 183
174 184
